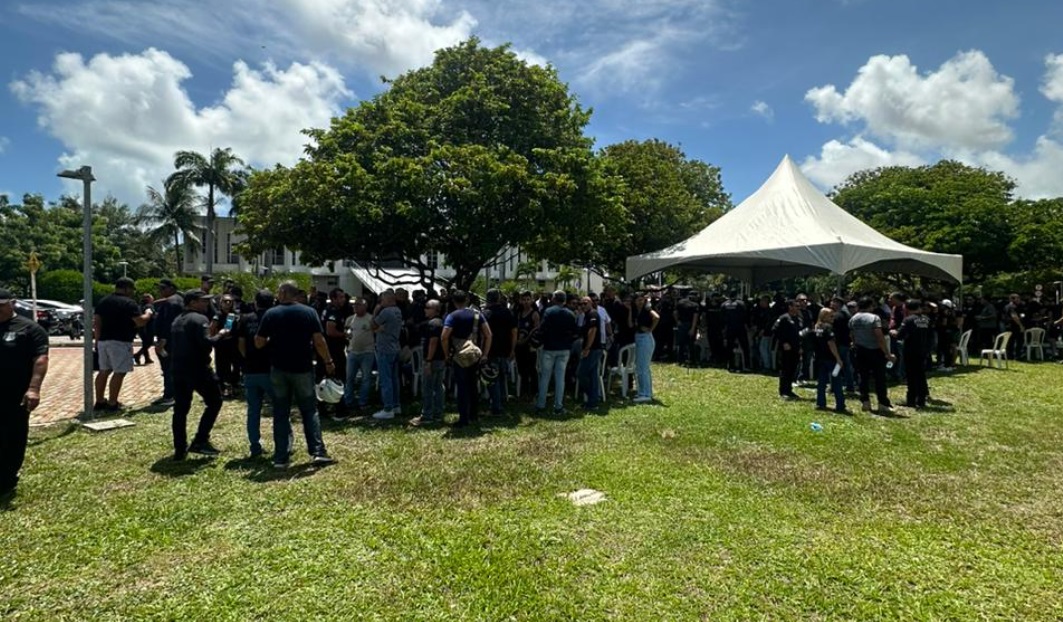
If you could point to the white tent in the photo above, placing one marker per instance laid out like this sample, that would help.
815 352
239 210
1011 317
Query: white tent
788 228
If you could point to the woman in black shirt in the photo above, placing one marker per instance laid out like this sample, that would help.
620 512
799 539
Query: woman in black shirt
827 360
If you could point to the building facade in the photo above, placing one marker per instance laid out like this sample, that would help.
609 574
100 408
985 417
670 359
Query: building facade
356 277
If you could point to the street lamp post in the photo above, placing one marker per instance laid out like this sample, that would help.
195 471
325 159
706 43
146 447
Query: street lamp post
85 175
124 264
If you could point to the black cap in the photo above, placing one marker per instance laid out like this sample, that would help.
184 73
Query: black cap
167 283
6 296
195 294
205 278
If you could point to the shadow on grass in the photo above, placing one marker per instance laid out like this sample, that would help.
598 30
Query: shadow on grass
7 500
265 472
179 468
67 430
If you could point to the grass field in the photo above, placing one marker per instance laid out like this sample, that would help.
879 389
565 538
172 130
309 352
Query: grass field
722 504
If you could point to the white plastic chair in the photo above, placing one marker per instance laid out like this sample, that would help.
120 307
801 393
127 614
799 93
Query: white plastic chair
998 353
1034 339
624 369
961 349
601 381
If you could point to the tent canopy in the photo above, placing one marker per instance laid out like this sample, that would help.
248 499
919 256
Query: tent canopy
787 228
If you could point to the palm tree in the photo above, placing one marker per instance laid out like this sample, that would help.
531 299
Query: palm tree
171 215
526 271
224 172
565 276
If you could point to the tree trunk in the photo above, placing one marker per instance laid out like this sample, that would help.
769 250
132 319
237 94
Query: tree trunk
208 243
177 253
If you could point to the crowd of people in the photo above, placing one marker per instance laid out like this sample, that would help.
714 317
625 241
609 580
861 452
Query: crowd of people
284 348
278 349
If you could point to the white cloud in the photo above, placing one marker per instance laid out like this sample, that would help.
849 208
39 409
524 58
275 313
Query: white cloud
127 115
4 142
838 160
1037 175
387 35
762 109
965 104
374 36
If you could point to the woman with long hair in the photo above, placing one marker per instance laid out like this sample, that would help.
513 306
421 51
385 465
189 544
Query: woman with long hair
646 320
829 362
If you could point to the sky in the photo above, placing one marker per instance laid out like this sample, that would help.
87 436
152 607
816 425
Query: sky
839 85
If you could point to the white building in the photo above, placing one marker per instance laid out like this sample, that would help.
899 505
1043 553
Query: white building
357 277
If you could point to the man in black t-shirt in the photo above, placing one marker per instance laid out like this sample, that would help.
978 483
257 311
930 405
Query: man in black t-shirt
503 346
332 319
589 373
190 347
23 365
168 306
293 332
687 318
787 334
114 324
257 385
735 334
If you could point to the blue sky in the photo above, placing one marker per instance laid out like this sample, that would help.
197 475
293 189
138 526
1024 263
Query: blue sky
840 85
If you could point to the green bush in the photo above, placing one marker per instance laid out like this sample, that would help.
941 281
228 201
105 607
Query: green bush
150 285
62 285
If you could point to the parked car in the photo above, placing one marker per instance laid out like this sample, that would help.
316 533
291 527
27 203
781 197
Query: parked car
58 318
70 319
45 317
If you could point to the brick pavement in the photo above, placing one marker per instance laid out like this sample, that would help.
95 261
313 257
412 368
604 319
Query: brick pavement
61 395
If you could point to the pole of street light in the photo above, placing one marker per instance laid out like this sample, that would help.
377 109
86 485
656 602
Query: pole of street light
85 175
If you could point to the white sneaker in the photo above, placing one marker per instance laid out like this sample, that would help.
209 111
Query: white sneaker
642 399
384 414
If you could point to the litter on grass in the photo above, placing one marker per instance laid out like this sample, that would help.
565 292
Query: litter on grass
585 496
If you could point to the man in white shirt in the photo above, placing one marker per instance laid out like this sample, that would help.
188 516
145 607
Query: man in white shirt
361 352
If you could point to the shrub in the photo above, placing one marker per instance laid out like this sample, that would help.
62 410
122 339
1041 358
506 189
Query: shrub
62 285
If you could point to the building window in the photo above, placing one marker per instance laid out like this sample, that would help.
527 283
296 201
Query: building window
432 260
231 256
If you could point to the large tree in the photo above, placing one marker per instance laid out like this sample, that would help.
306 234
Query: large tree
170 215
948 207
478 151
667 198
223 172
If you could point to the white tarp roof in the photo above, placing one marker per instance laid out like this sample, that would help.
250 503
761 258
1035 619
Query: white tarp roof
788 228
377 280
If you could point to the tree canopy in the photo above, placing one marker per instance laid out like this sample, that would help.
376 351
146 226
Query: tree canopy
477 151
666 196
947 207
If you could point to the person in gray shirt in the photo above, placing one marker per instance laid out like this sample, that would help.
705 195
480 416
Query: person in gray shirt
387 324
871 355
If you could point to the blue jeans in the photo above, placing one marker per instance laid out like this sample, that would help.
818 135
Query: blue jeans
497 389
358 362
291 387
824 368
387 365
764 347
644 346
467 382
589 375
433 390
553 364
256 387
848 379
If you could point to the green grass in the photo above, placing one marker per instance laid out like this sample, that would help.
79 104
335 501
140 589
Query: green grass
722 504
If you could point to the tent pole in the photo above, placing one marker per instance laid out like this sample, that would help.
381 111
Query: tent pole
841 285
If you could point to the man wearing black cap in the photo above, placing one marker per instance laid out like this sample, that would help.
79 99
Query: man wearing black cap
168 306
23 364
114 323
190 347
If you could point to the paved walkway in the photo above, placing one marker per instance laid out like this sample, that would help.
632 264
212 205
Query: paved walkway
61 395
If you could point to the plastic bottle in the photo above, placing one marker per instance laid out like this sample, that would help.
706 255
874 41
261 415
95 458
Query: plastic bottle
816 427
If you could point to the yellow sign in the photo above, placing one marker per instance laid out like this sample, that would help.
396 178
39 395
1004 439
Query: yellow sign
34 264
